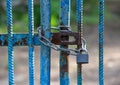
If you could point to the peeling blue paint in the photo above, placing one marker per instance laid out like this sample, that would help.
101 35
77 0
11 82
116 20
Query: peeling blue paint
64 21
19 40
45 51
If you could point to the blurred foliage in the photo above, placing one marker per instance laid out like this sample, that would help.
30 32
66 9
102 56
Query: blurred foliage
20 16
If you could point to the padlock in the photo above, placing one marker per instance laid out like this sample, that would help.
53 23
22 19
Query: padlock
82 57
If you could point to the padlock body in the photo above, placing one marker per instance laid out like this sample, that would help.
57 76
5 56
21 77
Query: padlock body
82 58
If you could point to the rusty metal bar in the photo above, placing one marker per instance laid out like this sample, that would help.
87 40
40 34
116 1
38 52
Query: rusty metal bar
23 39
19 40
80 27
58 38
64 21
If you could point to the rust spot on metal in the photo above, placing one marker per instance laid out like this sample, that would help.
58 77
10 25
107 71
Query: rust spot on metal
5 42
64 69
64 61
0 42
64 53
21 42
62 38
24 40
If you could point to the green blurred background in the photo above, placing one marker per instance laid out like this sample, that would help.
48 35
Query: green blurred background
20 14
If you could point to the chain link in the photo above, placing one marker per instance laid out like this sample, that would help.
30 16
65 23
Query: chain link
70 51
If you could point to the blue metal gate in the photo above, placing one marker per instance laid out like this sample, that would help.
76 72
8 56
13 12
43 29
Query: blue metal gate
32 40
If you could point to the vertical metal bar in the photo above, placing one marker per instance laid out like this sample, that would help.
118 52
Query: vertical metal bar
10 43
64 21
45 51
80 28
101 42
31 45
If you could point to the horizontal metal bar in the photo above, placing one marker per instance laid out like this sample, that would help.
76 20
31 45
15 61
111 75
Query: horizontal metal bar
23 39
19 40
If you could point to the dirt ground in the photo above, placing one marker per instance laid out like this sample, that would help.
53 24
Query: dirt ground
90 71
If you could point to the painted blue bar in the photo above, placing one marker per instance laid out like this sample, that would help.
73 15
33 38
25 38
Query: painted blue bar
19 40
101 42
80 11
10 44
80 31
64 21
30 42
45 51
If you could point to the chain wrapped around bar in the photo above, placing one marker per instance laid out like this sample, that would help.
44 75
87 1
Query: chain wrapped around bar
48 43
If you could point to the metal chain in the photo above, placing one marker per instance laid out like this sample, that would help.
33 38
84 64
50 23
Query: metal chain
70 51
